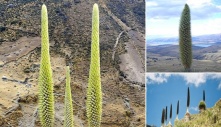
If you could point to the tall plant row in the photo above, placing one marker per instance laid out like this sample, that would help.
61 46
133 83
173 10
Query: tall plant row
45 81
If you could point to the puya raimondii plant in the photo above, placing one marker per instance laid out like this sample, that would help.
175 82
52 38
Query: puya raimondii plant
177 110
188 100
171 109
69 119
185 40
163 118
202 104
45 82
94 93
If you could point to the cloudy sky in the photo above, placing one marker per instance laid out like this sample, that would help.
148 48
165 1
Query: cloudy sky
162 17
164 89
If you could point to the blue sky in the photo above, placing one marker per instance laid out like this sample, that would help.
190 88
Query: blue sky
162 17
164 89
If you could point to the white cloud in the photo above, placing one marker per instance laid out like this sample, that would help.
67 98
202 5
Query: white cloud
157 77
198 3
151 3
211 26
194 78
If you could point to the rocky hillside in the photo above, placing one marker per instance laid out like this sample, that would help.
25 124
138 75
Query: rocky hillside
70 35
209 118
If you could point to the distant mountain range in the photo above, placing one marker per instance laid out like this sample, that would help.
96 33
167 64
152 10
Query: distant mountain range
213 43
210 52
203 40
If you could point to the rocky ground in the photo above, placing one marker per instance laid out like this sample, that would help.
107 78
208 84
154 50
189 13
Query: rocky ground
70 29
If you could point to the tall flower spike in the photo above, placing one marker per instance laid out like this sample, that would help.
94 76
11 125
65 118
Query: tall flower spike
45 82
185 40
94 93
69 119
166 115
204 98
170 111
177 110
188 97
162 118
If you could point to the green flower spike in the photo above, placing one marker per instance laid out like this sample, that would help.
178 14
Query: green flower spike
94 93
45 82
69 119
185 40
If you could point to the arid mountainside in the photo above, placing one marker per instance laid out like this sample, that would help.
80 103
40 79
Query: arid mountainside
70 41
208 118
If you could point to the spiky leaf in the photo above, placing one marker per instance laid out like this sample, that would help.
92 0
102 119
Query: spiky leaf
69 119
45 82
185 40
94 93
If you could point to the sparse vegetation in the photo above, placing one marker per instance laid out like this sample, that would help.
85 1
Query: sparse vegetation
208 118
